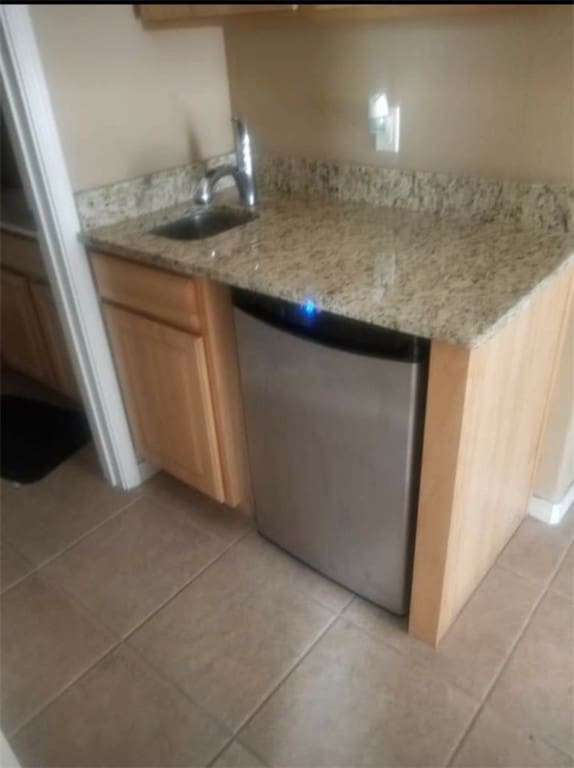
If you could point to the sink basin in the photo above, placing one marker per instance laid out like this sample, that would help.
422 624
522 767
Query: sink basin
197 225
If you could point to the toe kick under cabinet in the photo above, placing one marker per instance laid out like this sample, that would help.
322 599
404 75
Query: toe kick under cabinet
174 347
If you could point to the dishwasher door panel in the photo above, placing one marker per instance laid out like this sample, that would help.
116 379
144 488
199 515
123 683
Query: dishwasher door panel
334 452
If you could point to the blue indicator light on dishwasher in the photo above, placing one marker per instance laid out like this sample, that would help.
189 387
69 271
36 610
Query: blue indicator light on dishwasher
309 308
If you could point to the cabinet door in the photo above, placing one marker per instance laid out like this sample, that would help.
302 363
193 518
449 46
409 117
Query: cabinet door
23 345
57 348
165 383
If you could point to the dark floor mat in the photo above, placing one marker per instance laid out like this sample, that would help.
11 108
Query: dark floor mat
36 437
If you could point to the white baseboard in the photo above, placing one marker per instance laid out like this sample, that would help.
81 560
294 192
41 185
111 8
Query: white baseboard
551 512
147 469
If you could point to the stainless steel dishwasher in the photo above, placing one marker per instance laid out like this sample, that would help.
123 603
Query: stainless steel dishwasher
334 412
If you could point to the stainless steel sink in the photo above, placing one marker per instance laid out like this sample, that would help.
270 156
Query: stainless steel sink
197 225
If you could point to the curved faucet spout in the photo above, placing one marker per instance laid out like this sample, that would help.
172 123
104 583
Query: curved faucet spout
242 172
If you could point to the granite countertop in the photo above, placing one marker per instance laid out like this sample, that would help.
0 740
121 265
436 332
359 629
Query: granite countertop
451 280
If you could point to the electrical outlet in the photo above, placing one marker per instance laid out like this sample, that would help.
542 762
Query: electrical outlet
387 134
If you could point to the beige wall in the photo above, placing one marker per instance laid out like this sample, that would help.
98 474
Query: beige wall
556 467
130 101
491 94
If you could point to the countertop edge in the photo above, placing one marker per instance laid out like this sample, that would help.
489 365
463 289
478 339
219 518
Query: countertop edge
162 262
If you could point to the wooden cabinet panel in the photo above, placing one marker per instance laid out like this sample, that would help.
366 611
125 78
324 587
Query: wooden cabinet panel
167 14
57 349
23 346
21 254
174 12
166 389
390 11
149 291
187 304
223 364
486 412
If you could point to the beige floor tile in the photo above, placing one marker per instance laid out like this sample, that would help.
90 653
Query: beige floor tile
478 643
228 641
217 519
120 714
46 643
563 583
44 518
355 702
254 559
13 566
536 548
536 688
236 756
495 743
134 563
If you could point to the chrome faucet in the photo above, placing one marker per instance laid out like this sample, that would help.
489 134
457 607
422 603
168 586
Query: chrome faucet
242 172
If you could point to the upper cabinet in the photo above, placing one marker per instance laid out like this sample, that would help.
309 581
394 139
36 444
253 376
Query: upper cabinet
166 14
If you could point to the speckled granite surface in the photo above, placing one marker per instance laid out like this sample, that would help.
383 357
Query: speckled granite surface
473 198
457 281
135 197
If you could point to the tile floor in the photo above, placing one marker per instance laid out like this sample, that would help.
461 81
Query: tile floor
156 628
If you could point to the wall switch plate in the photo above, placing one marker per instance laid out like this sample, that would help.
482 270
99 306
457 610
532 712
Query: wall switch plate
387 136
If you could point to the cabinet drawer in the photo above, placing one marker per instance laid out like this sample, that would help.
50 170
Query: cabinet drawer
158 294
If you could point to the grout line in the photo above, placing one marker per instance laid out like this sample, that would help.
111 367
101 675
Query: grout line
180 589
176 686
401 650
503 666
38 567
221 751
81 607
235 731
543 583
119 640
79 604
556 747
249 717
62 691
33 568
253 752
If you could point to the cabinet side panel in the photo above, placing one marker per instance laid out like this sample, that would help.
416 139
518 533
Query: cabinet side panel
510 384
223 366
555 469
447 381
483 431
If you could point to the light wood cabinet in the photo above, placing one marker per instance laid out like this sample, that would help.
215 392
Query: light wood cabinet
162 295
164 379
485 415
33 341
63 378
23 346
167 14
174 13
174 347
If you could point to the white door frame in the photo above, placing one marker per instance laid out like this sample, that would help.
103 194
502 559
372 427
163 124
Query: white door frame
32 126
